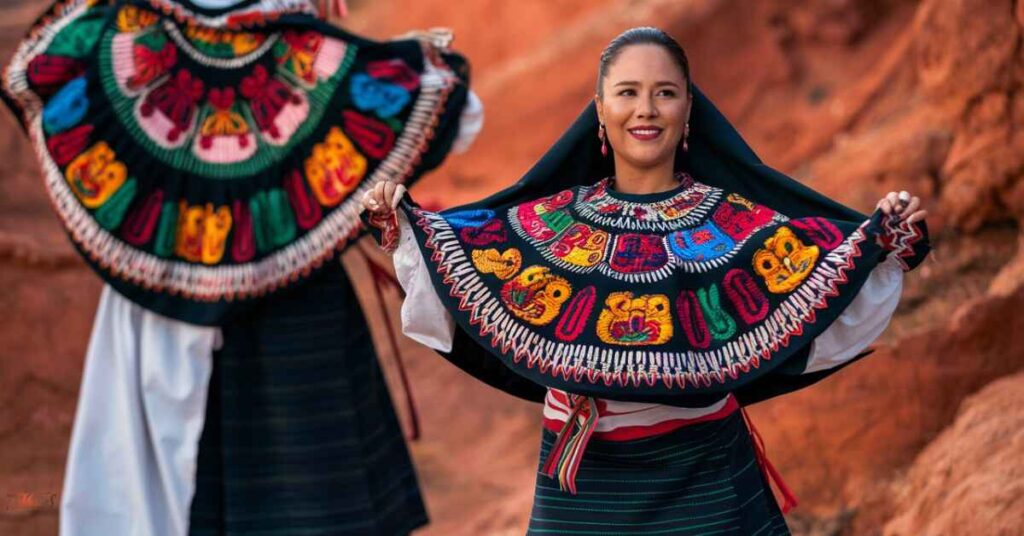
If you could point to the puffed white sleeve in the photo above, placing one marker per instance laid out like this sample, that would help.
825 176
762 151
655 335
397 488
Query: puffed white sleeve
424 318
862 322
471 122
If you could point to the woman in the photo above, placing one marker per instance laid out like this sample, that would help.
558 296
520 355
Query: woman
207 157
647 308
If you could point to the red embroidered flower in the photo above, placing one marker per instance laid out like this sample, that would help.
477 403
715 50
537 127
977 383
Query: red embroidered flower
267 97
177 100
151 64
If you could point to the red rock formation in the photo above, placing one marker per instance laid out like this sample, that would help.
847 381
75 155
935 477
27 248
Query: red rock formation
971 477
855 97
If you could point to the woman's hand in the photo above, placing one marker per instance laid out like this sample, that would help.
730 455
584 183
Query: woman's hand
383 198
903 205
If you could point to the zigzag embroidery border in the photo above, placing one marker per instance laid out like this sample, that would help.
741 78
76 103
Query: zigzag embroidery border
692 217
631 368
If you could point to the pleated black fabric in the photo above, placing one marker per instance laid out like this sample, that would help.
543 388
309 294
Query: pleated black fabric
702 479
300 436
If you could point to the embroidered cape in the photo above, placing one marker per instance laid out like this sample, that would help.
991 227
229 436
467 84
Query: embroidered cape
203 156
676 297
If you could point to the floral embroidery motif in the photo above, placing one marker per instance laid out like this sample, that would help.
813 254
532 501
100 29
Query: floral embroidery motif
723 338
785 261
223 116
334 169
95 175
536 295
153 55
176 100
635 321
224 135
503 265
268 98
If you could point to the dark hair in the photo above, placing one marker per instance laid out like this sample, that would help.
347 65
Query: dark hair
643 35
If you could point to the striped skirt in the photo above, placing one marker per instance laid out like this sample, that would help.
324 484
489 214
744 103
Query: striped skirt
300 435
701 479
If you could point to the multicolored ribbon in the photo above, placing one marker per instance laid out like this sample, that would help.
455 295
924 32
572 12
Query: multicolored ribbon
567 452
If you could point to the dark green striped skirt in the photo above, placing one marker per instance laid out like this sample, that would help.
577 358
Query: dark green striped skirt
300 435
702 479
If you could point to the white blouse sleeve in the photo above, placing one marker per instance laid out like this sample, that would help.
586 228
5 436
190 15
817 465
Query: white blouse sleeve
471 122
424 318
862 322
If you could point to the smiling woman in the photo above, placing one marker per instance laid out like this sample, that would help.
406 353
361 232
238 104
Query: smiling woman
647 297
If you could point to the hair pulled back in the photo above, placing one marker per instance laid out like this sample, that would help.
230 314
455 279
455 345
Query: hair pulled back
643 35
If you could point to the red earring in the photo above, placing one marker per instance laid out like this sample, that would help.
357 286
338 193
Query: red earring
604 142
686 134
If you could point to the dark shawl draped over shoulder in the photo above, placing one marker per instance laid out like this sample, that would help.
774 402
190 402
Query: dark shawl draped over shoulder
201 158
717 286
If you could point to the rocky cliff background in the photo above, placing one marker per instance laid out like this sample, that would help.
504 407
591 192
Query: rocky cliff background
855 97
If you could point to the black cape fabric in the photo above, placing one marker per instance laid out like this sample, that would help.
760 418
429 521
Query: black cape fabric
202 158
716 287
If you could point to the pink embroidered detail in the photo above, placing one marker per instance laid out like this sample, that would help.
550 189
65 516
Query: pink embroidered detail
691 316
748 300
820 231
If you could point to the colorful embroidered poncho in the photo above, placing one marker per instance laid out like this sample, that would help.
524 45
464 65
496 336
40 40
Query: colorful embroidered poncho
675 297
199 157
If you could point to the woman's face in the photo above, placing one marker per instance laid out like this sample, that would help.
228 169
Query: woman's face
644 107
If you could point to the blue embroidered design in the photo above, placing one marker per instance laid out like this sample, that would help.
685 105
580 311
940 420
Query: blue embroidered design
384 98
66 108
468 218
704 243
